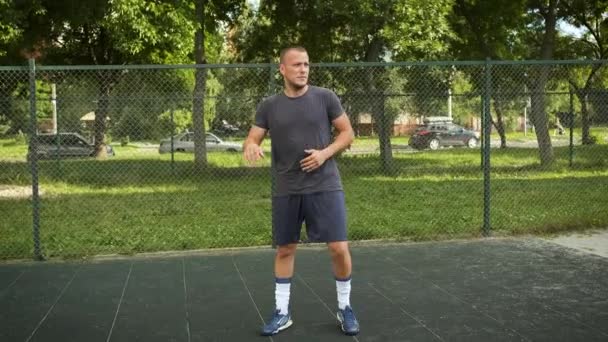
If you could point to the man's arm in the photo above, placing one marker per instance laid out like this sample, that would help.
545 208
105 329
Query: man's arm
343 140
252 151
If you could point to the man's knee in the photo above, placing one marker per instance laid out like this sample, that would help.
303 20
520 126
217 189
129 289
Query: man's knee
338 249
286 251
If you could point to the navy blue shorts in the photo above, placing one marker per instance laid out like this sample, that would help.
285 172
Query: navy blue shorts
324 214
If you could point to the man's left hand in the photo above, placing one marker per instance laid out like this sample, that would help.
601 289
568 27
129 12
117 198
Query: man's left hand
314 161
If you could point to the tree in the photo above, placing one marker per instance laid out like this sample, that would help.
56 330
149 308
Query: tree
482 35
589 16
198 104
14 17
210 16
543 16
104 32
334 31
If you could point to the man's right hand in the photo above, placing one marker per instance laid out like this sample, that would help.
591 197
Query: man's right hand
253 153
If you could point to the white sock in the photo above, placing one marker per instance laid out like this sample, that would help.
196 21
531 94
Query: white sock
281 294
343 291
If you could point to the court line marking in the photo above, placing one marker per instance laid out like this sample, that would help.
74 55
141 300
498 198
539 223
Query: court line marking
55 303
186 300
405 312
248 292
5 291
124 288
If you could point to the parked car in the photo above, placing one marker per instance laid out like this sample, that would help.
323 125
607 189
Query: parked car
184 142
437 132
64 145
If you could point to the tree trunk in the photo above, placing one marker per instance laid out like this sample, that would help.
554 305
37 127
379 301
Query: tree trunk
198 104
384 127
539 118
582 94
539 115
585 122
500 128
353 116
499 124
377 107
583 97
106 83
106 80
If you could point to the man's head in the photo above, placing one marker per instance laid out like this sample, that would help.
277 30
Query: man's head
294 67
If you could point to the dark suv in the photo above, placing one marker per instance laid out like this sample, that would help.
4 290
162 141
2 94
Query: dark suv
65 145
439 131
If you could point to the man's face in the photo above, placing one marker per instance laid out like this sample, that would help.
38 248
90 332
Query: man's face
294 68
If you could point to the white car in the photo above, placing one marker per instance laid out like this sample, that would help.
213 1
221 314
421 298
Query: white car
184 142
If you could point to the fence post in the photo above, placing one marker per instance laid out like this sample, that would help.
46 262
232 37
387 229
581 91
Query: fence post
571 124
272 69
483 133
486 148
271 72
172 141
33 157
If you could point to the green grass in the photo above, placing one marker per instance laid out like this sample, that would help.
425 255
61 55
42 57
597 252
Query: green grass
139 201
12 149
601 132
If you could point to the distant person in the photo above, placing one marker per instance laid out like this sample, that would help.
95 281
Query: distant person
308 185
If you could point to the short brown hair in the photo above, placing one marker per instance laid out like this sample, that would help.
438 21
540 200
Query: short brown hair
289 48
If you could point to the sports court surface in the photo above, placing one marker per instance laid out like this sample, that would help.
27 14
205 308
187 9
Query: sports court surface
516 289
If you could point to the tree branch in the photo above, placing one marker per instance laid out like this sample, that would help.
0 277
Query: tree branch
477 32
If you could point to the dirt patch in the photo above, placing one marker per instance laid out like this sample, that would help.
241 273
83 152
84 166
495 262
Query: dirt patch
15 191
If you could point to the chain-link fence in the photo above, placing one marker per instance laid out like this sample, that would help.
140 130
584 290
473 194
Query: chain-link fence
129 159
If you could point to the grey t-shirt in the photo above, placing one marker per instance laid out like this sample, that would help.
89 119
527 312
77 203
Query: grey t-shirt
297 124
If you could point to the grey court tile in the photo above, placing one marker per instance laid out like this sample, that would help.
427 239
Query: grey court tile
153 306
86 310
219 303
27 303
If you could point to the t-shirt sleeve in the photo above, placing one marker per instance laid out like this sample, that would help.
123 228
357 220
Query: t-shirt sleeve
334 107
261 115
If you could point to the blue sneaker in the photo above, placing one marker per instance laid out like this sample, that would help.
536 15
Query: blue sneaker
277 323
348 321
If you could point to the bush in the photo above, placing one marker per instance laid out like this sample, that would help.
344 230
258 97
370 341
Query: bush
182 120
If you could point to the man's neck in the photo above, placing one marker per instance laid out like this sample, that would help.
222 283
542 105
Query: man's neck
291 92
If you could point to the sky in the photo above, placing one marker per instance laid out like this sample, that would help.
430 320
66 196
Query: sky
569 30
254 3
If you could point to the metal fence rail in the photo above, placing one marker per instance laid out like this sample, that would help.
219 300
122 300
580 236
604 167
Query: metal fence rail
146 158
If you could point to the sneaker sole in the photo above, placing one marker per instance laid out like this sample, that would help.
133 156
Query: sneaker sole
281 328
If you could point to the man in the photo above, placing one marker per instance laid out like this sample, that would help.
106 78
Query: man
308 186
